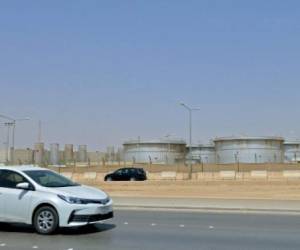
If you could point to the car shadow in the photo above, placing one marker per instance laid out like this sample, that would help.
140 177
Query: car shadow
89 229
16 228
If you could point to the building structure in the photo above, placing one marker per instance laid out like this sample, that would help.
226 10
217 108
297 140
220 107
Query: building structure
249 150
163 151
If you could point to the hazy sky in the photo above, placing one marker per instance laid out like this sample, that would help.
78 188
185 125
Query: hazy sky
101 72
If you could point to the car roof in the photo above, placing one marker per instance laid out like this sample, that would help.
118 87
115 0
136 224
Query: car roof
130 168
21 167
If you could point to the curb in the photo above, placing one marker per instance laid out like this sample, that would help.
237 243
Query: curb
206 210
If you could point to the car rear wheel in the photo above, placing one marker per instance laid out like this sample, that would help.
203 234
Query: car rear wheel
45 220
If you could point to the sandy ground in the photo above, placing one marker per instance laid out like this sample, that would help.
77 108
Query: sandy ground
217 189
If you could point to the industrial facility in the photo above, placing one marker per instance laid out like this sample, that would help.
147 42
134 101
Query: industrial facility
249 150
56 156
291 151
202 153
224 150
167 151
164 151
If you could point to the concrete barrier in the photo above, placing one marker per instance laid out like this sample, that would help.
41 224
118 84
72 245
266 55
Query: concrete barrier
275 175
291 173
82 164
207 175
168 175
77 177
240 176
200 176
90 175
194 176
260 174
227 175
100 177
154 176
180 176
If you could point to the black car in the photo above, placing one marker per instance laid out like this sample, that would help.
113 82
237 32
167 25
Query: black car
127 174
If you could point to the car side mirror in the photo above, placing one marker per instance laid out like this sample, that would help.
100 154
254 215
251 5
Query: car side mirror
23 185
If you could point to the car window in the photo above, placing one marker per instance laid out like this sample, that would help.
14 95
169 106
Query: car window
132 171
140 171
119 172
10 179
49 179
122 171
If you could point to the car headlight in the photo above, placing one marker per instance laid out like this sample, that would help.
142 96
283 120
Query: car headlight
71 200
107 200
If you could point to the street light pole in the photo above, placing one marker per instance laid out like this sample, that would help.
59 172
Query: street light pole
7 142
190 110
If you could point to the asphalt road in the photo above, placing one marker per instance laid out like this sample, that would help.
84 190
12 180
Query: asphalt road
166 230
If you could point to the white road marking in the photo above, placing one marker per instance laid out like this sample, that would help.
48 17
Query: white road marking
70 248
153 224
2 245
35 247
181 225
125 223
211 227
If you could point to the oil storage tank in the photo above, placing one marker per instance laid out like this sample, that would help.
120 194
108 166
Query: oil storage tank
163 151
82 153
68 153
202 153
292 151
249 150
39 153
54 154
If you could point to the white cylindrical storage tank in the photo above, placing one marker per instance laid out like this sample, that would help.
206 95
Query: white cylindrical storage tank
249 150
69 153
38 153
203 153
156 151
120 154
54 154
110 153
292 151
82 153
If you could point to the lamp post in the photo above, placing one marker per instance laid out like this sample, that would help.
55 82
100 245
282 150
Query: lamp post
190 111
8 125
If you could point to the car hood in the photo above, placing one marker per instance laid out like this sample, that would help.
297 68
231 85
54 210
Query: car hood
83 192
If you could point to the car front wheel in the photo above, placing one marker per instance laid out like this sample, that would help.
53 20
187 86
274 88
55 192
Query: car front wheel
45 220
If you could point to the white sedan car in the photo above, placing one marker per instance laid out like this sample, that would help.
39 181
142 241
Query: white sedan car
47 200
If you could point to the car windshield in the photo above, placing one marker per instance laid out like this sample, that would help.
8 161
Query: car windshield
50 179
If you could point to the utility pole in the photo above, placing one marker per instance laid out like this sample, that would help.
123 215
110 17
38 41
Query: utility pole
7 151
11 123
190 111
